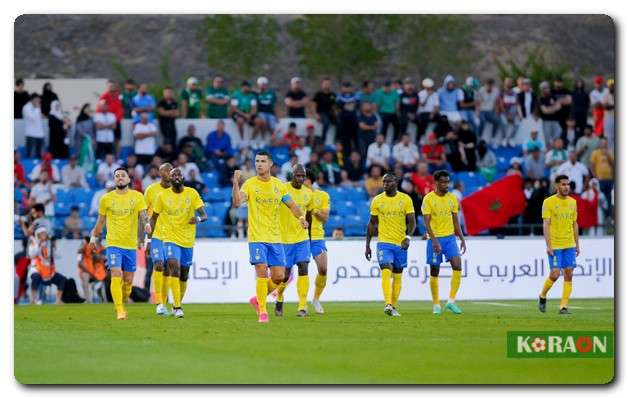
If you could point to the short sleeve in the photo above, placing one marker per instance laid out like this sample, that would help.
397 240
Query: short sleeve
460 95
283 193
141 203
546 212
325 201
409 205
426 207
102 206
245 188
456 204
197 202
147 195
375 207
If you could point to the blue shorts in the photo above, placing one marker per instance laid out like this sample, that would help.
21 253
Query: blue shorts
271 254
388 253
297 253
157 253
183 255
449 249
317 247
269 118
563 258
118 257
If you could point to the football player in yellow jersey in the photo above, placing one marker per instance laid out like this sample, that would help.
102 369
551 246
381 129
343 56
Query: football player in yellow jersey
264 194
178 206
440 211
296 240
560 229
319 216
155 248
121 209
392 219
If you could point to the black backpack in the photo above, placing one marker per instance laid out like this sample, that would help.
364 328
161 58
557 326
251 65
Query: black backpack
70 293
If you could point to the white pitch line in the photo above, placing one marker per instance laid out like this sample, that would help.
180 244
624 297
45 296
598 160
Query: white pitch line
496 304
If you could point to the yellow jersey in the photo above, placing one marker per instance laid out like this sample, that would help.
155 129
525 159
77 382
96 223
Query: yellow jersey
440 208
122 212
562 213
150 195
291 229
264 199
321 202
176 209
391 212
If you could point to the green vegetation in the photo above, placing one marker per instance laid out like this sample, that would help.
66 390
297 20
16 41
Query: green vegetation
536 67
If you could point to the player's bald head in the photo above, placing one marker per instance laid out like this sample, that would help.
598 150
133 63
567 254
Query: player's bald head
164 172
298 168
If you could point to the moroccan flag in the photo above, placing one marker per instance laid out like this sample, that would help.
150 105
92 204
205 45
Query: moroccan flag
493 206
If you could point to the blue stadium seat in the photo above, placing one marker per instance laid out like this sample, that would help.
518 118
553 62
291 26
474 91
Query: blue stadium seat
508 152
280 155
356 194
81 195
363 209
63 195
503 164
62 208
333 223
336 194
29 165
210 179
125 151
355 226
58 223
60 163
420 225
18 234
22 151
17 195
83 208
220 210
472 181
215 195
340 208
89 223
91 180
215 228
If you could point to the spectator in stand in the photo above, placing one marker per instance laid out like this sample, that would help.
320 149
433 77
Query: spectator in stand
387 101
406 153
408 107
145 142
454 152
330 169
217 99
38 219
92 270
345 181
355 167
556 157
515 167
93 208
526 100
368 126
132 164
563 96
469 104
290 139
73 175
580 106
339 155
43 193
189 169
374 183
73 225
325 100
266 120
449 100
19 175
20 98
538 192
45 165
487 162
168 111
303 152
105 122
490 110
586 145
151 177
47 96
534 165
106 169
33 127
191 99
608 101
218 145
570 135
127 95
433 153
226 177
378 153
244 108
311 139
510 118
314 165
285 173
166 153
599 204
114 105
576 171
533 142
367 95
423 180
597 105
296 99
190 138
469 140
84 135
58 126
347 128
429 107
603 167
248 170
40 250
549 110
143 102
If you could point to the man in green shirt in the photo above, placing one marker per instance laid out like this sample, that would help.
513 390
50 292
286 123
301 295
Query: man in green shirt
191 97
243 107
387 101
130 91
217 99
266 121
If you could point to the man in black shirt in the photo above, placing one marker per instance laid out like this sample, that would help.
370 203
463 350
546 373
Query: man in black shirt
296 99
325 100
564 96
20 98
408 106
549 110
347 128
168 111
355 167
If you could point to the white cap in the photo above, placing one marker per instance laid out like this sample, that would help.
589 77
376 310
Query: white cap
192 80
40 230
514 160
262 80
428 83
295 79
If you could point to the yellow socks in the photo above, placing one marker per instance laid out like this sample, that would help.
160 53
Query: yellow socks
387 285
176 291
566 293
319 283
434 289
261 290
165 288
116 293
546 287
396 288
158 277
126 291
455 284
271 286
280 288
303 285
183 285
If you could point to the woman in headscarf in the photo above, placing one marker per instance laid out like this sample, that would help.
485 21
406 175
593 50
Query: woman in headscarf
580 106
83 128
487 162
58 131
47 96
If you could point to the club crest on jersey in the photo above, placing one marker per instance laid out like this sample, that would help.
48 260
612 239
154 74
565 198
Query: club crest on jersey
187 201
132 202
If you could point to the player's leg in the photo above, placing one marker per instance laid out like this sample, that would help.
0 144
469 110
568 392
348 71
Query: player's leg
59 281
155 255
549 282
302 258
114 261
319 252
175 273
386 258
400 262
128 269
568 264
186 262
87 291
281 287
434 260
452 254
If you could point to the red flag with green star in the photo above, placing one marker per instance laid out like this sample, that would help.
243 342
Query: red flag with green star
494 205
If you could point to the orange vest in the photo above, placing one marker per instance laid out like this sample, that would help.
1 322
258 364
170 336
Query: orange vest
43 263
96 270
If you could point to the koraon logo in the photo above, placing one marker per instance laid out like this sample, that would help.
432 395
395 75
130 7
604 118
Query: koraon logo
541 344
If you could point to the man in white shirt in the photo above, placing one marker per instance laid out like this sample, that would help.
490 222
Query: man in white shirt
106 169
33 127
575 170
378 153
303 152
429 106
73 175
145 142
186 167
406 153
286 168
105 123
45 165
488 99
43 193
151 177
93 208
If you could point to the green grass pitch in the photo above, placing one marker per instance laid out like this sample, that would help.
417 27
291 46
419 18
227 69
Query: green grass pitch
351 343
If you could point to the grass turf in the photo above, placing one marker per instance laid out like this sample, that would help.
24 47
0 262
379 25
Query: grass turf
351 343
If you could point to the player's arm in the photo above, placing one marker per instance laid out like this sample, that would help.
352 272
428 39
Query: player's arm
371 230
201 217
546 234
430 233
287 200
576 232
459 234
153 222
237 197
97 231
321 215
410 227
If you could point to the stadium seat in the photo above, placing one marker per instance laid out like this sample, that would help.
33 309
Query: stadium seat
22 151
210 179
62 208
333 223
355 226
508 152
18 234
81 195
503 164
355 195
29 165
336 194
363 209
420 225
216 195
215 228
472 181
63 195
83 208
220 209
126 151
58 223
89 223
60 163
280 155
91 180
